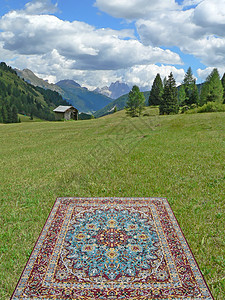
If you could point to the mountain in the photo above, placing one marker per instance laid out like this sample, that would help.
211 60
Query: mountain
69 84
18 96
115 90
118 89
81 98
104 91
31 78
120 103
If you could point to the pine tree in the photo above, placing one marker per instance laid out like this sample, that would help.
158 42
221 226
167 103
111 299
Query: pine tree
182 95
212 90
194 96
14 115
9 113
156 92
135 103
188 77
164 81
169 103
188 83
223 84
4 114
216 88
204 93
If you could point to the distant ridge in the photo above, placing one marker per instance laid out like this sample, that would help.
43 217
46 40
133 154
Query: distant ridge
68 82
31 78
80 97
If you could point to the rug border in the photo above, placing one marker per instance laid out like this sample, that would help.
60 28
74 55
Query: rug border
34 247
121 198
189 248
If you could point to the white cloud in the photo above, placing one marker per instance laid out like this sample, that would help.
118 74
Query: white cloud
40 7
203 73
210 15
57 49
169 29
178 29
145 75
134 9
75 45
197 27
54 67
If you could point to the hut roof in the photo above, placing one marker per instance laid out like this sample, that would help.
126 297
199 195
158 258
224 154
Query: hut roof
62 109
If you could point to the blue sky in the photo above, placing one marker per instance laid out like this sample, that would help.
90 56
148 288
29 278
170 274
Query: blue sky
96 42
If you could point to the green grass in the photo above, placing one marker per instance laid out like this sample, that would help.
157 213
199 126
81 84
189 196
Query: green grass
180 157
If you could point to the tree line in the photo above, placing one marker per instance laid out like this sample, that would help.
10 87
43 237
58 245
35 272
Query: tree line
171 99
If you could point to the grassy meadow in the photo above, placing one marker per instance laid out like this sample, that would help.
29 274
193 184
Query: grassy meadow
180 157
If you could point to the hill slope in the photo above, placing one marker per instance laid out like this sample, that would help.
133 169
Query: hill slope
18 96
31 78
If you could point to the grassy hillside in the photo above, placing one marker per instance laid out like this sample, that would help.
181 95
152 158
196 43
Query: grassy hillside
120 103
180 157
28 119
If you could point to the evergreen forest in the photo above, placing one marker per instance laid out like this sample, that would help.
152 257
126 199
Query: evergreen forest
206 97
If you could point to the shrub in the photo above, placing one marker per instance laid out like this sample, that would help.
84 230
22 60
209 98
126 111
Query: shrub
211 107
208 107
183 109
193 106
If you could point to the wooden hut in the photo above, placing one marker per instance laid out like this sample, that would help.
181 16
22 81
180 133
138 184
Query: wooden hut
66 113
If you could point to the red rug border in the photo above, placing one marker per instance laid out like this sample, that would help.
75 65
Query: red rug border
36 243
189 247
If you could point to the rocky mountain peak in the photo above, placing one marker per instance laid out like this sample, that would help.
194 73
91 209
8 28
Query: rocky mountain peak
115 90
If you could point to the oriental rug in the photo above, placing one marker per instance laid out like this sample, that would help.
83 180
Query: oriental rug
111 248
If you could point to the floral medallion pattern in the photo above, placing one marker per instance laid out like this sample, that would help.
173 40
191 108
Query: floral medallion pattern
111 248
110 244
